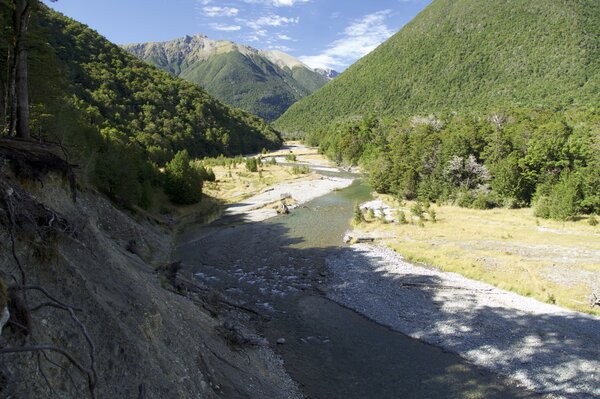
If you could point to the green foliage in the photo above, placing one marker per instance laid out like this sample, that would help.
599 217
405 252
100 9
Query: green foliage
474 160
261 86
371 214
470 55
121 119
300 170
401 217
432 215
183 183
358 217
593 220
252 164
291 157
560 200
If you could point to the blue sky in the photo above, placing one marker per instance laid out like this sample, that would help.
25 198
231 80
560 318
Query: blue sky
322 33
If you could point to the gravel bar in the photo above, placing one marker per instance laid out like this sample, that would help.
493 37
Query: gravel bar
543 347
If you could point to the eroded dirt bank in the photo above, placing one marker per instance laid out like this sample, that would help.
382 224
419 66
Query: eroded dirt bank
147 340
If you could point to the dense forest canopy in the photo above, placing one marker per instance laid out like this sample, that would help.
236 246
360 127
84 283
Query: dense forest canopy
546 158
120 118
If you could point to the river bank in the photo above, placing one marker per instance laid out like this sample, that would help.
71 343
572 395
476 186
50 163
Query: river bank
278 268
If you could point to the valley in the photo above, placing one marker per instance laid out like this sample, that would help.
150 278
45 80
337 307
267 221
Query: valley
224 215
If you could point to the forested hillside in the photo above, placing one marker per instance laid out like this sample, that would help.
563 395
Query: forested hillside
469 55
121 119
476 103
265 83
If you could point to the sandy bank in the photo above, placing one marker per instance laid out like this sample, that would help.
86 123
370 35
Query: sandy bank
256 208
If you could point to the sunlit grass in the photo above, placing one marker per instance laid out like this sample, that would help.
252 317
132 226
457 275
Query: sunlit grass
554 262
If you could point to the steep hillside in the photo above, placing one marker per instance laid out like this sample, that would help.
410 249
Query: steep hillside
469 55
264 83
122 119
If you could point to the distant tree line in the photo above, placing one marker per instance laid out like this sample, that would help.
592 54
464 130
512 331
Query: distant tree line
549 159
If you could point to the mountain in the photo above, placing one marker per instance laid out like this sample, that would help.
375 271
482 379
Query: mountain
469 55
120 118
265 83
327 72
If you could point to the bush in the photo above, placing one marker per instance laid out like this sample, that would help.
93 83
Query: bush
291 157
432 215
484 201
300 170
358 215
252 165
593 220
560 201
401 217
183 183
371 214
465 198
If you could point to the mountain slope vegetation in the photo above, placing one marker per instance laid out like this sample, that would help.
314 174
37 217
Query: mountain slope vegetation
475 103
265 83
469 55
121 119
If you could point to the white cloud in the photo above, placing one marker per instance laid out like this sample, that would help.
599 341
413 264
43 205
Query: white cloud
216 11
359 38
277 3
272 20
225 28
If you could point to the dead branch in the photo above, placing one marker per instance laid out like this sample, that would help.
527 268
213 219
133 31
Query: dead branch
43 373
45 292
67 355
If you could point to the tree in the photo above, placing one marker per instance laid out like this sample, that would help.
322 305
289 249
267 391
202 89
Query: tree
17 99
183 183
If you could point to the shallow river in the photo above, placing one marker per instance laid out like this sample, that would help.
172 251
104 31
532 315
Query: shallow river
278 266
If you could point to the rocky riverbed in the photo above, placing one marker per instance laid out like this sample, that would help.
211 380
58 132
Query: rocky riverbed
543 347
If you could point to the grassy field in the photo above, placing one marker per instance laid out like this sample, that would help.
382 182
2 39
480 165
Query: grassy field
552 261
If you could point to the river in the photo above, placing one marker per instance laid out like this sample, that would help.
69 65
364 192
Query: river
279 267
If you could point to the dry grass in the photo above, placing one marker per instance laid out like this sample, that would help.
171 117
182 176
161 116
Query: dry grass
235 184
552 261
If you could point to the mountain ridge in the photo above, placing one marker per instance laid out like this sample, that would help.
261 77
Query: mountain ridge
263 82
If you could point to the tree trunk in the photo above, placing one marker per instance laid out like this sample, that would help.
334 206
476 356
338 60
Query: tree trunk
20 113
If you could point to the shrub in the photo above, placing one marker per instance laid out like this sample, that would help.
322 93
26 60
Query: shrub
382 215
252 165
560 201
593 220
300 170
432 215
417 210
401 217
183 183
465 198
291 157
371 214
358 215
483 201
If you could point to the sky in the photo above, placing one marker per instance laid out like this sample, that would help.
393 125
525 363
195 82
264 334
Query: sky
322 33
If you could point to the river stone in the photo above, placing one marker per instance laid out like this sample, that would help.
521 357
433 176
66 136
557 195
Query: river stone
281 341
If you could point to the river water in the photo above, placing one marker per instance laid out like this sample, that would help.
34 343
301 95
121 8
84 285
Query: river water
279 267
